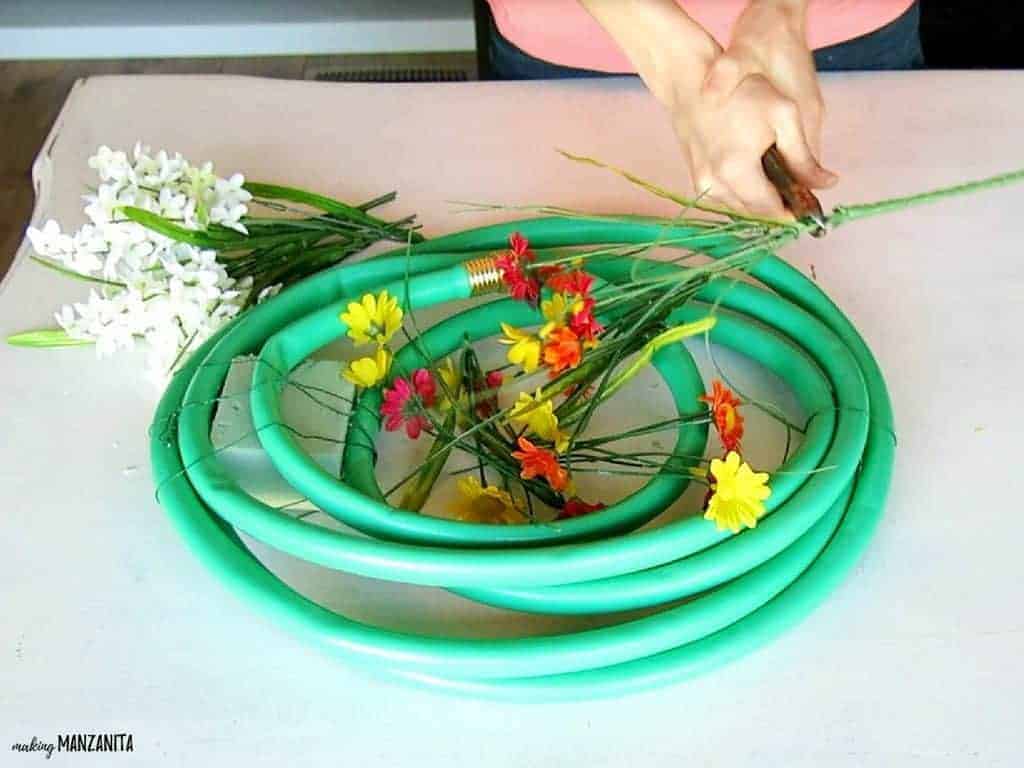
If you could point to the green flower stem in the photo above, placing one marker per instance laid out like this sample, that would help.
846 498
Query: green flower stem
323 203
671 336
416 495
846 213
687 203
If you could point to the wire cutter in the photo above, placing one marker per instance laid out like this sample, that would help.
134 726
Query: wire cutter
798 198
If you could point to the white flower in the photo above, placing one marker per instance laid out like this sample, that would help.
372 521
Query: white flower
175 295
105 321
171 169
67 320
50 242
224 311
172 203
88 246
163 345
100 207
110 165
269 292
227 201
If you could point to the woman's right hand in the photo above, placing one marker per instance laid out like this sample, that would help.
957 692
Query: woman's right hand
729 106
760 91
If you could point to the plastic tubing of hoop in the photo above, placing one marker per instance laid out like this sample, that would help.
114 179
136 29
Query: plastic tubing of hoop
767 580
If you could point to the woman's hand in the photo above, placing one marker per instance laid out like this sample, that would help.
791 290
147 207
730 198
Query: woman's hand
762 90
728 107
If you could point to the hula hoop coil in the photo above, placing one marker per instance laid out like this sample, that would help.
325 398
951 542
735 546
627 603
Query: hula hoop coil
743 589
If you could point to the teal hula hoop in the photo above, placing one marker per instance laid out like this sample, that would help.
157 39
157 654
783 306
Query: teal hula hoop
745 588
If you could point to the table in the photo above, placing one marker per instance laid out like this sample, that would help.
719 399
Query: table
111 625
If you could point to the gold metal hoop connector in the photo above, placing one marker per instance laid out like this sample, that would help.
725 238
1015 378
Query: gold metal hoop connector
484 275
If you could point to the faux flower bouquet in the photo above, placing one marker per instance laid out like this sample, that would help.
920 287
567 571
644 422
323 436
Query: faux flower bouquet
524 423
171 252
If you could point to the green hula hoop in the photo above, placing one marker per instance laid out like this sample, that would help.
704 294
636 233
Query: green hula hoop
359 502
760 581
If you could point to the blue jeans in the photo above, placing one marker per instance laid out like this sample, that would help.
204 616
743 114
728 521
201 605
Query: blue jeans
897 45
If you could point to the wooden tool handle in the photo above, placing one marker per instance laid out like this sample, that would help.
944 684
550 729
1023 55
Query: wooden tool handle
797 197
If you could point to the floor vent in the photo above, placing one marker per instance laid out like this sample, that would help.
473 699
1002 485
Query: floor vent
396 75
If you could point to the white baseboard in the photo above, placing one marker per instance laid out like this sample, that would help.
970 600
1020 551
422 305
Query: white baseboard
71 29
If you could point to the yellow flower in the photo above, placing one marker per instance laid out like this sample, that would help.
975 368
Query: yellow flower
369 371
448 374
373 318
525 350
487 504
739 494
555 311
538 415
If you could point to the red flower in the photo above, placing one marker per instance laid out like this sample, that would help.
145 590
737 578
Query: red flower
495 379
546 271
405 400
508 263
728 420
584 324
520 247
521 285
577 507
562 350
487 406
540 462
576 283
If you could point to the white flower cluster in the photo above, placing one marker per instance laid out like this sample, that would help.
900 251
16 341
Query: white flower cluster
170 294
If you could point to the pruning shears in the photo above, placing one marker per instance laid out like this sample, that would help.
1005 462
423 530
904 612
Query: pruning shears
797 197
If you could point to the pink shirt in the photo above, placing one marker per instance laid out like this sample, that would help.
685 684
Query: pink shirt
562 32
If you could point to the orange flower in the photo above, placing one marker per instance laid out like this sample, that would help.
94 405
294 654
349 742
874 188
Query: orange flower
577 283
540 462
728 421
562 350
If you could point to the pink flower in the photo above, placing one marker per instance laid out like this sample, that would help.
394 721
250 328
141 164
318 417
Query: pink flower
425 385
405 401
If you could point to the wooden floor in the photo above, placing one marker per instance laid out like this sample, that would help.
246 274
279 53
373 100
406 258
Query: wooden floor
32 92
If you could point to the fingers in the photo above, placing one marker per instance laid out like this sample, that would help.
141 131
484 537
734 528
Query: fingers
743 188
710 189
792 142
733 172
727 135
813 116
759 195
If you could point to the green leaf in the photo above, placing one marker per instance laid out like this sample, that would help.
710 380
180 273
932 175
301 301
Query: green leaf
162 226
219 241
320 202
44 338
417 494
75 275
